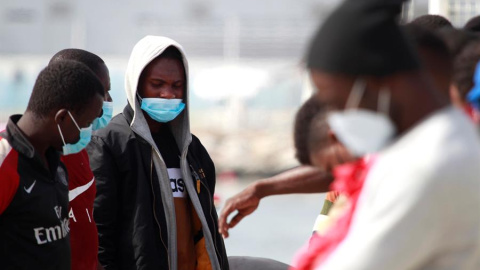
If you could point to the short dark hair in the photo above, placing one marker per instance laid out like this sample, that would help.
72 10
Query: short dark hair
426 38
434 54
456 39
464 68
318 137
473 25
432 22
302 125
87 58
63 84
172 52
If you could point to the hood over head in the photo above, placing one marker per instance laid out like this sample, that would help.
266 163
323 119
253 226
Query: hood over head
144 52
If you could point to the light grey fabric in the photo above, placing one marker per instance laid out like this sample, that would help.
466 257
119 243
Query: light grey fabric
255 263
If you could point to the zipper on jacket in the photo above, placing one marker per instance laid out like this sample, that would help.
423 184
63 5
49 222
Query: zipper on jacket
154 208
197 178
212 206
202 173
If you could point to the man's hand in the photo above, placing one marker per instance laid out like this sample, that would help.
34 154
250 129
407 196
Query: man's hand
244 202
303 179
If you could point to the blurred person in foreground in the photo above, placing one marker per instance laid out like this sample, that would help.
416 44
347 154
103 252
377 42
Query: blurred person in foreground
310 179
456 39
316 146
432 22
81 184
155 181
326 153
463 46
452 73
427 150
473 96
473 25
463 78
304 179
34 220
434 55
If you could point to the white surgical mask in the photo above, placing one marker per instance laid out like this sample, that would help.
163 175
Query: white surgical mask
363 131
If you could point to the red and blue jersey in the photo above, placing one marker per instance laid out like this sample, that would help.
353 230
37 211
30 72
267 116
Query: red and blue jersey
83 231
34 229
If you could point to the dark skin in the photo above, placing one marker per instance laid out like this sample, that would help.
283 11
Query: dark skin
413 95
162 78
439 69
165 78
303 179
331 156
42 132
104 77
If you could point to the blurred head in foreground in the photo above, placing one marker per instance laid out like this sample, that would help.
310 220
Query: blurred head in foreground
363 65
315 144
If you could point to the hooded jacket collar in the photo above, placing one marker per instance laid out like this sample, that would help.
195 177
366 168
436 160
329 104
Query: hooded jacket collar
146 50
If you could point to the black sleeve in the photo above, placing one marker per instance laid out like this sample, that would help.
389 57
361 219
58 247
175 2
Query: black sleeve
106 202
205 162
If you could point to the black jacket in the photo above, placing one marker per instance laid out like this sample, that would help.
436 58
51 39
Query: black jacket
128 208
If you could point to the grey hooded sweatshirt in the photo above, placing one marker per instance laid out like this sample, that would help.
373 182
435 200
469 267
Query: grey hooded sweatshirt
134 207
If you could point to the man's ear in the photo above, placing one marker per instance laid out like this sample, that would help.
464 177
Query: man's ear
60 116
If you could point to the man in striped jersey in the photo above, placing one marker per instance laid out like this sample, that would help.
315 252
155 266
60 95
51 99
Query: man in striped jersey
34 224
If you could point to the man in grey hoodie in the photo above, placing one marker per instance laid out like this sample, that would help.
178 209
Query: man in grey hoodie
155 181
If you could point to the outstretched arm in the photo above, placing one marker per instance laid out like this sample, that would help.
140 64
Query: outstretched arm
303 179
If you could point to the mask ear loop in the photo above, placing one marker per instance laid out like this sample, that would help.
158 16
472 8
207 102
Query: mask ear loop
61 135
75 122
139 98
356 94
384 97
60 130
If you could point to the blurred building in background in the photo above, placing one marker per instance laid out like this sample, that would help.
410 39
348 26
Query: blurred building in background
246 82
457 11
208 28
246 73
246 76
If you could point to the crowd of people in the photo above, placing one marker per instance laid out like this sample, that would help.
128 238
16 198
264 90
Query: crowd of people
391 133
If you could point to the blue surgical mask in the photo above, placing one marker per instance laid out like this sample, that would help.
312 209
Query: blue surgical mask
162 110
85 137
103 120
